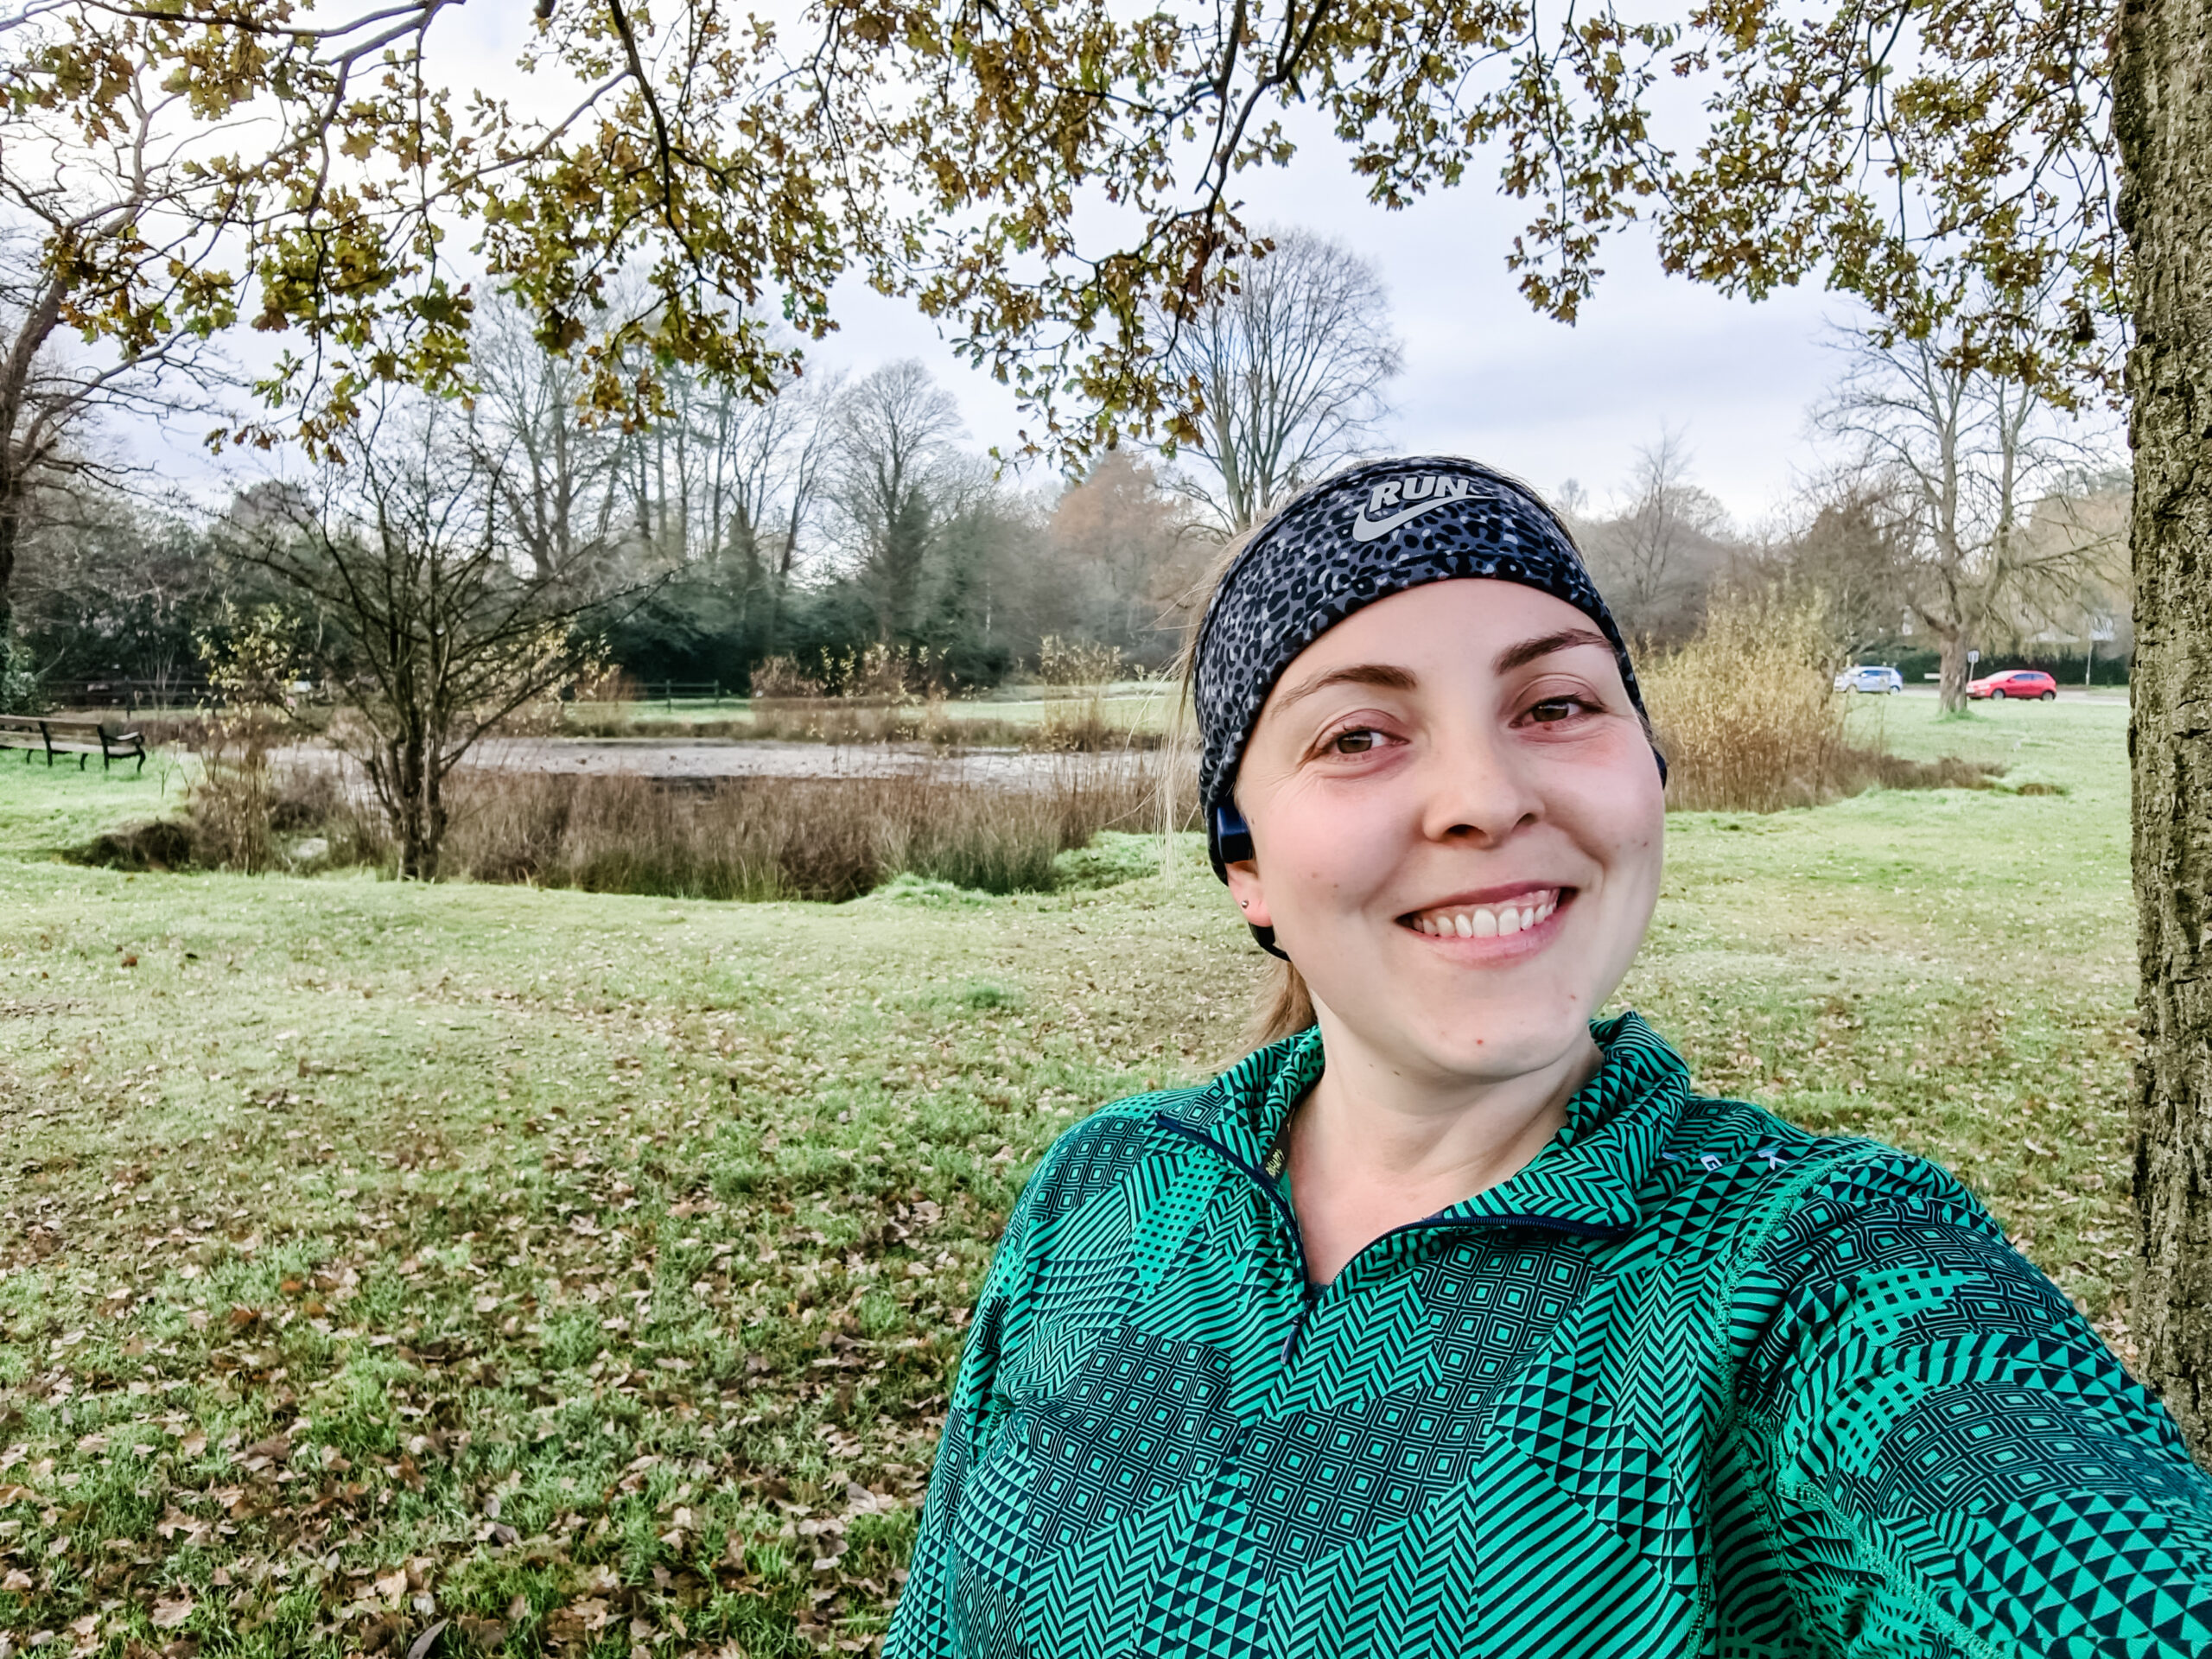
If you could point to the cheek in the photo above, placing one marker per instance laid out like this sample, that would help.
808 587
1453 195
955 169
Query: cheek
1621 822
1318 846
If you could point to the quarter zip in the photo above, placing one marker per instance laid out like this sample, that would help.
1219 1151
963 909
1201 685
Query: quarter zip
1309 1294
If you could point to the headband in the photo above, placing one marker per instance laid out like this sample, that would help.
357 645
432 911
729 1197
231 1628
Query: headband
1363 534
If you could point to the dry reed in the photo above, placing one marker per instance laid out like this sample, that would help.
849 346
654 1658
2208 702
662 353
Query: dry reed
737 838
789 838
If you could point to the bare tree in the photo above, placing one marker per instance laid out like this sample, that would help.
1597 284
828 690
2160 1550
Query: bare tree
1291 369
1851 549
1118 559
554 465
1965 453
426 629
1657 553
896 478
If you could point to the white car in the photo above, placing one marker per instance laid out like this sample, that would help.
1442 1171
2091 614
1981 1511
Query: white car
1870 677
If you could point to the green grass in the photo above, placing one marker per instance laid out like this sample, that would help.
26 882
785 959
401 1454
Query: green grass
588 1270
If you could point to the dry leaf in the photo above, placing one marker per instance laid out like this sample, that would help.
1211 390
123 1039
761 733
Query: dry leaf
167 1614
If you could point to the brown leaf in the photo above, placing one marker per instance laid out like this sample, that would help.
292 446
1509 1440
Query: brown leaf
427 1640
167 1614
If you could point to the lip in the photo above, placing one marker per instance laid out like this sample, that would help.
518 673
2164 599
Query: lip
1496 895
1494 950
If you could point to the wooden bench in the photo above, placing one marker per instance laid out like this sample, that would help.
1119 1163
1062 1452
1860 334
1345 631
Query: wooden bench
83 738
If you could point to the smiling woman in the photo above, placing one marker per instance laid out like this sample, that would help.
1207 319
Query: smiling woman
1452 1319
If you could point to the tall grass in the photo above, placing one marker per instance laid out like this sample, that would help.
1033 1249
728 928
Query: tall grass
829 838
1748 718
735 838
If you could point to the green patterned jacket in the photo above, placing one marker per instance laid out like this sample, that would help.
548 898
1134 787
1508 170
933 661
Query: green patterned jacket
1693 1382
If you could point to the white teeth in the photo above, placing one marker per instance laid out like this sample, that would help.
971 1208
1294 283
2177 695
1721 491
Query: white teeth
1486 923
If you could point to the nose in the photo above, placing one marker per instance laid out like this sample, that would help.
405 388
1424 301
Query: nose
1475 787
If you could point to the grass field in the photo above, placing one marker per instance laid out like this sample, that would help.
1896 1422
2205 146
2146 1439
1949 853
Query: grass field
587 1271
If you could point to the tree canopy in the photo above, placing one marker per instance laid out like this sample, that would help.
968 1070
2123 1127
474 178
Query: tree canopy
1050 177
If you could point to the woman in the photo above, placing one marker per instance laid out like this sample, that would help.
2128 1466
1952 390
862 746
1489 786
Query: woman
1488 1335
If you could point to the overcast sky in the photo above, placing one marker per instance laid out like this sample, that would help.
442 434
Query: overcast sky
1486 376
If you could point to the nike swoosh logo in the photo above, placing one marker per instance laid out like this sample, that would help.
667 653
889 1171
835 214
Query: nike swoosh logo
1365 529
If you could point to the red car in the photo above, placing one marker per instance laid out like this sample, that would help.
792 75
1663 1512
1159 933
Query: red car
2014 683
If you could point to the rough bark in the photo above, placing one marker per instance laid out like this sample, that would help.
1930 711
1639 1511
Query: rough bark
1951 662
2163 115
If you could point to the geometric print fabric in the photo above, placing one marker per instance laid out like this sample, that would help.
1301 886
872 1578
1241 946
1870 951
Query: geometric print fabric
1693 1382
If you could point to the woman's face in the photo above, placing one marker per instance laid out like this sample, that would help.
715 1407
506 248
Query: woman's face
1457 825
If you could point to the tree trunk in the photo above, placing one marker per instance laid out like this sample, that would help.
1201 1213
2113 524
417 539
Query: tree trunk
1951 691
11 520
418 812
2163 117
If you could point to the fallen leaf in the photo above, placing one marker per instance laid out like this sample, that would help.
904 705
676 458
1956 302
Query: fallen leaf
427 1640
167 1614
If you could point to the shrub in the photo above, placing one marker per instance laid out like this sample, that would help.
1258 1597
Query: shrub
1077 662
1748 718
1745 714
780 677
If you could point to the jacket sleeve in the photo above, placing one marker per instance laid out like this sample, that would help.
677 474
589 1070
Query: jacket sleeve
1953 1459
922 1628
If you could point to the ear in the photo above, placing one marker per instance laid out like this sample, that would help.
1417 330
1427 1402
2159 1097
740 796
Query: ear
1249 892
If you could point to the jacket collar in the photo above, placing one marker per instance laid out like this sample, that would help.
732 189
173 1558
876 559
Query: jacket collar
1584 1181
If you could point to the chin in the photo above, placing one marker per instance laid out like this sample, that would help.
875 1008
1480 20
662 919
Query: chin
1483 1042
1495 1054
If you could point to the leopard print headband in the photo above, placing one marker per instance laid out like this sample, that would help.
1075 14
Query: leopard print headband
1362 535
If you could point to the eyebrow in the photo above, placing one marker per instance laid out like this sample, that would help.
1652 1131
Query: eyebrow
1380 674
1528 650
1393 678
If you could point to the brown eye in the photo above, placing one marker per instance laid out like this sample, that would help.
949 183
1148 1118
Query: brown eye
1356 741
1552 710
